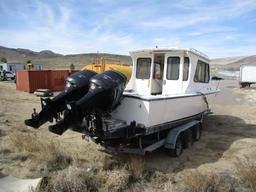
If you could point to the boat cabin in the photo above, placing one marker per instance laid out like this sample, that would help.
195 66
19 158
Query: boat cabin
169 72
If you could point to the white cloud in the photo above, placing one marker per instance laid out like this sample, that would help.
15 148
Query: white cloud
176 22
60 27
212 29
200 13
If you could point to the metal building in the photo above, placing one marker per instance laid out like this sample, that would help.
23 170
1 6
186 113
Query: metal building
13 67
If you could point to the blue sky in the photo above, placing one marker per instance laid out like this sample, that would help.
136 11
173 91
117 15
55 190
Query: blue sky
221 28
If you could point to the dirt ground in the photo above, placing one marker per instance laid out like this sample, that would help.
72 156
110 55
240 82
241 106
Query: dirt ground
228 134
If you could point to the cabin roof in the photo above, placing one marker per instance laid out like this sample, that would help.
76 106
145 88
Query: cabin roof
158 50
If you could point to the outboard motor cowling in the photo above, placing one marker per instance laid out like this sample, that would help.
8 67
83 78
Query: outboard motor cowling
105 91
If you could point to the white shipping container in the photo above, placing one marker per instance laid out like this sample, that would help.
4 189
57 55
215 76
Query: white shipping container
248 73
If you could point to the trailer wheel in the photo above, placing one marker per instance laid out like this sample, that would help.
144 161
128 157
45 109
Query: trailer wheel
177 151
188 138
197 131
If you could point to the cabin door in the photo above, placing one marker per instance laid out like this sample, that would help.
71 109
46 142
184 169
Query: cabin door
157 77
143 64
172 78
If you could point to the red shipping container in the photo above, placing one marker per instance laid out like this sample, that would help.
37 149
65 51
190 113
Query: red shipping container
57 79
22 81
31 80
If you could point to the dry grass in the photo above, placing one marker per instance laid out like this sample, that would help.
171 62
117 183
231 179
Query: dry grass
76 179
72 179
3 109
136 165
117 180
40 150
196 181
169 187
246 171
2 133
1 114
31 143
111 162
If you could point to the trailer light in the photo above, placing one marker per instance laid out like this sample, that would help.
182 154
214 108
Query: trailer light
69 107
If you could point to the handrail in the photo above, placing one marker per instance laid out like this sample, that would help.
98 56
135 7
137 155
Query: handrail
199 53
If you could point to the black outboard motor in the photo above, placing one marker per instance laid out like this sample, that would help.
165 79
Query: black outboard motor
77 85
105 91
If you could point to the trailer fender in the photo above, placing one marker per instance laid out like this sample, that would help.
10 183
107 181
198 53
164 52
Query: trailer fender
173 134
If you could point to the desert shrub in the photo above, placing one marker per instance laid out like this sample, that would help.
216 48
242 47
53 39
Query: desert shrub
3 60
157 185
196 181
41 150
246 172
117 180
136 166
72 179
169 187
111 162
76 179
162 180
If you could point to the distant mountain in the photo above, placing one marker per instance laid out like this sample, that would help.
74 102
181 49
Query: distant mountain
226 60
48 53
14 55
52 60
233 63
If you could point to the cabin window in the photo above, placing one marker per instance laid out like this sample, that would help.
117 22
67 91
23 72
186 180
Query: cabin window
173 68
186 69
143 68
202 74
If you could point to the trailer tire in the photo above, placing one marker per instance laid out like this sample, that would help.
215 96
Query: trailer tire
177 151
188 139
197 131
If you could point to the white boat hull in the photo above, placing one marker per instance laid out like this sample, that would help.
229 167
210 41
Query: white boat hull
159 110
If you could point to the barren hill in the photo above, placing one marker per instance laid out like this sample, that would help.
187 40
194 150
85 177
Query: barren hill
14 55
53 60
233 63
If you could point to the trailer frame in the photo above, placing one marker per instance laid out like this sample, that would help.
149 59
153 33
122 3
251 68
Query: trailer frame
169 142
